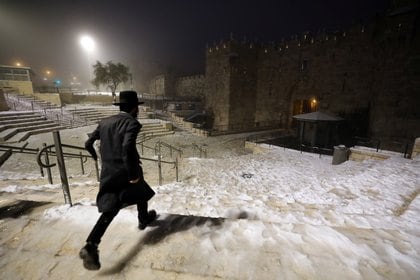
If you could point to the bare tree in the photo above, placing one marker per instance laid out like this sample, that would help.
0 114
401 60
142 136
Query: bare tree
111 75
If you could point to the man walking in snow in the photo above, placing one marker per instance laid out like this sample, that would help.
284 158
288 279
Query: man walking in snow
121 180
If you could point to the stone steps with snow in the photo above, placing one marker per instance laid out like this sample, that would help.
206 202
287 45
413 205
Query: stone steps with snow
19 135
26 124
224 248
154 130
34 102
10 132
16 115
27 119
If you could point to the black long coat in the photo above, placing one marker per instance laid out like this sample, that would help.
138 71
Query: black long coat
119 156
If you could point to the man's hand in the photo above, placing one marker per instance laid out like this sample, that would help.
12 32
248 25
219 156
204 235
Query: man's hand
134 181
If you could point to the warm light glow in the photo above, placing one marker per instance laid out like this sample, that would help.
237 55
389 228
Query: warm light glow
48 72
18 64
314 104
87 43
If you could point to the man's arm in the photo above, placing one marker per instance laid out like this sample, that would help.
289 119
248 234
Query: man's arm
89 143
129 150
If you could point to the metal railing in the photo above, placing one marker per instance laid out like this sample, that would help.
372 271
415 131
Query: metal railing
316 150
246 127
158 148
61 163
44 162
402 147
200 149
47 153
159 162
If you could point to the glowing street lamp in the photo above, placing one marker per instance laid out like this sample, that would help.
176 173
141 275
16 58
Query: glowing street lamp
88 45
47 75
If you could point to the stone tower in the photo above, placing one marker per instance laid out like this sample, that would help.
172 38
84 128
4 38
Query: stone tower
231 85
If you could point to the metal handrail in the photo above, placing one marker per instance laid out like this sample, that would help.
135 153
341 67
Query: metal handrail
202 151
71 155
19 149
159 162
160 143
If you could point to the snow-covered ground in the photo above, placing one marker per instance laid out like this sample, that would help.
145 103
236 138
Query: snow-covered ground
276 214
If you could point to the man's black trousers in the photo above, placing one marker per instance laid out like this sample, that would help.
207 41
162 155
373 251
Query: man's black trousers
105 220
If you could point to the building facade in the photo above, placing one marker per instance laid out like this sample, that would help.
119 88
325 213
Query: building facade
16 79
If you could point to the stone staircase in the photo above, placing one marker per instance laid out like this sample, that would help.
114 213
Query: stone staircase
31 116
88 115
93 114
17 126
155 129
29 102
187 126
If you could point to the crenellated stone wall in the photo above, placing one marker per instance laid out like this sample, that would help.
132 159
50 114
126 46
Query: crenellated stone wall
369 75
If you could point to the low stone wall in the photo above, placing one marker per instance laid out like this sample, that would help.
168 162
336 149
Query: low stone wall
361 154
190 126
71 98
22 87
416 149
168 125
256 148
53 98
201 132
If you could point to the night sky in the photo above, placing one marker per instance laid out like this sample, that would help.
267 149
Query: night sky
152 35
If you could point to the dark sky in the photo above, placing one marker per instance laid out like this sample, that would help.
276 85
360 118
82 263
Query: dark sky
147 35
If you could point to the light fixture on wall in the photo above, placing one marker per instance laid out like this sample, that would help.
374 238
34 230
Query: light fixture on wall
314 104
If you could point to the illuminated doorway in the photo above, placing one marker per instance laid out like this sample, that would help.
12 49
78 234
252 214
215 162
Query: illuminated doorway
303 106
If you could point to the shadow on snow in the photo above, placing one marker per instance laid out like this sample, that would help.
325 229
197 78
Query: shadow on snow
172 223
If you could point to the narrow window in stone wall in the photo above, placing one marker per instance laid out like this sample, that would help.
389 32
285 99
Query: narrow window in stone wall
304 65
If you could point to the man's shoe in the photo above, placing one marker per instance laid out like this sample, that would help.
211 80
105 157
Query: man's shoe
90 256
151 216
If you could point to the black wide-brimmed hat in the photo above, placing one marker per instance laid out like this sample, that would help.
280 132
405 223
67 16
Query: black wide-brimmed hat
128 97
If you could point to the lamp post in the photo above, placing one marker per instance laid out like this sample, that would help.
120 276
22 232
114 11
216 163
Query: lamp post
47 75
88 45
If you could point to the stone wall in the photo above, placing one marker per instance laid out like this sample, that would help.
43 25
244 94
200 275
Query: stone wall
53 98
361 155
416 149
71 98
217 90
22 87
243 79
190 86
157 86
3 103
163 85
368 75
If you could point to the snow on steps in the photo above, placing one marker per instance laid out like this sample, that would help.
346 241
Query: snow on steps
18 126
